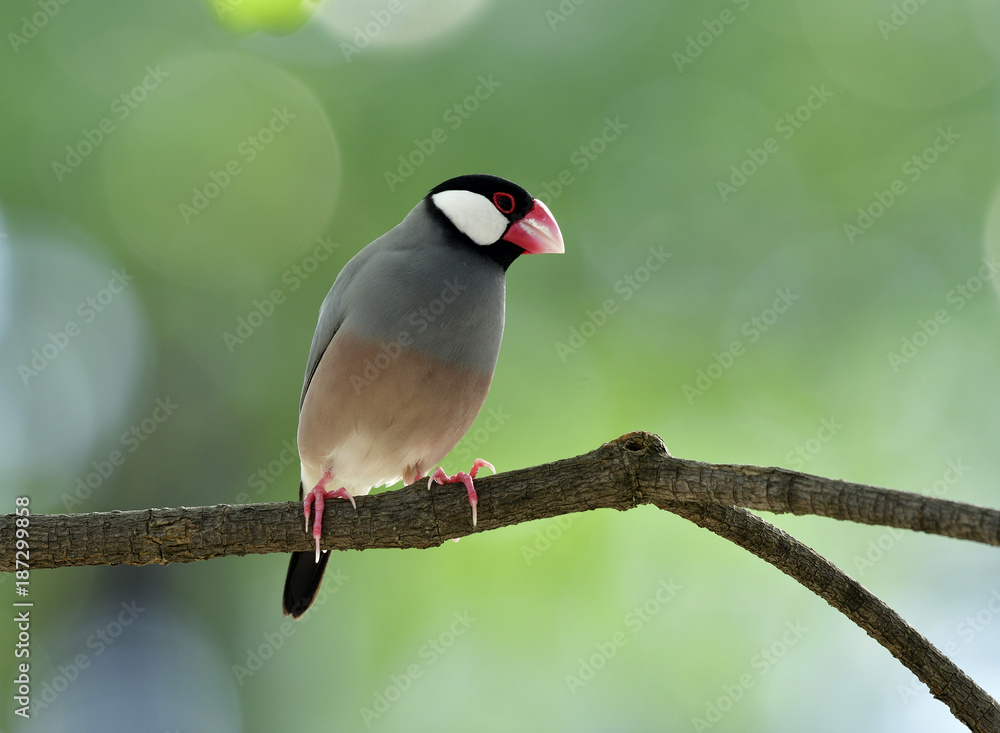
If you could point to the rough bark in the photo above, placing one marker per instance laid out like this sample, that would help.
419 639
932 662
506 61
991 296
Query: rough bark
949 684
632 470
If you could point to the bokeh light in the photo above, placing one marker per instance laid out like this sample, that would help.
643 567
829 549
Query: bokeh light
781 222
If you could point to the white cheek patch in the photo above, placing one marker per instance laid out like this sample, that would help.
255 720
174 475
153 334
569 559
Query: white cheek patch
474 215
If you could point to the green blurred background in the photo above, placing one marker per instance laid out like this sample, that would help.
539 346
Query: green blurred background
820 182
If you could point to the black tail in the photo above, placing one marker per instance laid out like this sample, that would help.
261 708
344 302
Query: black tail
302 581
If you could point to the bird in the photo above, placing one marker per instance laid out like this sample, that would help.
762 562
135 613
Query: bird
405 350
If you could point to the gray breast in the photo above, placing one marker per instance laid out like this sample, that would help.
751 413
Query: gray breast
421 288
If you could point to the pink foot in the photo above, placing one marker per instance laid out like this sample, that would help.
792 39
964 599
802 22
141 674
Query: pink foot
466 478
316 498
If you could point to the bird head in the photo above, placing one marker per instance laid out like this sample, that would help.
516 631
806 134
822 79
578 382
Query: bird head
494 213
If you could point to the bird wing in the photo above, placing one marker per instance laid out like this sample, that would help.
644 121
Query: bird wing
331 315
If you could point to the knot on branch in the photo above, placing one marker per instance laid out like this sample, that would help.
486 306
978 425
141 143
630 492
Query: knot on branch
638 451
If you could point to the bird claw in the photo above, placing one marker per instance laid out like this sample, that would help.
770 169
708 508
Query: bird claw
441 477
315 500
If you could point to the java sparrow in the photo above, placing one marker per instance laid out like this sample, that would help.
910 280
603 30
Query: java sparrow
405 349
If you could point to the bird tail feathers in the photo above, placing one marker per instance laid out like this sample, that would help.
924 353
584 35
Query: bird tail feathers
302 581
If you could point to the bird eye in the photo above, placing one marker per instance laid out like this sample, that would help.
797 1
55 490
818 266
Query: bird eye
504 202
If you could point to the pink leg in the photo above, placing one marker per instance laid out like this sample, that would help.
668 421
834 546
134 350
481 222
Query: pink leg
466 478
316 499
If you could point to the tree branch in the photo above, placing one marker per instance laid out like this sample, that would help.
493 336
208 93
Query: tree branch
949 684
632 470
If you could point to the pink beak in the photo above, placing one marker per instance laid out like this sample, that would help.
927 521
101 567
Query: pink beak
536 232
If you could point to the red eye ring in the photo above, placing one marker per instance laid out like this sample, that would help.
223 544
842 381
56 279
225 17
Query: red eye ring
504 202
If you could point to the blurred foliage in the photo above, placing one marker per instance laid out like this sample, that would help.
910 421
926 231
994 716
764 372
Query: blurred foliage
782 226
275 16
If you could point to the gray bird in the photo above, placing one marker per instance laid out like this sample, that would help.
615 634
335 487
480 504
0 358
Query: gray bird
405 349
